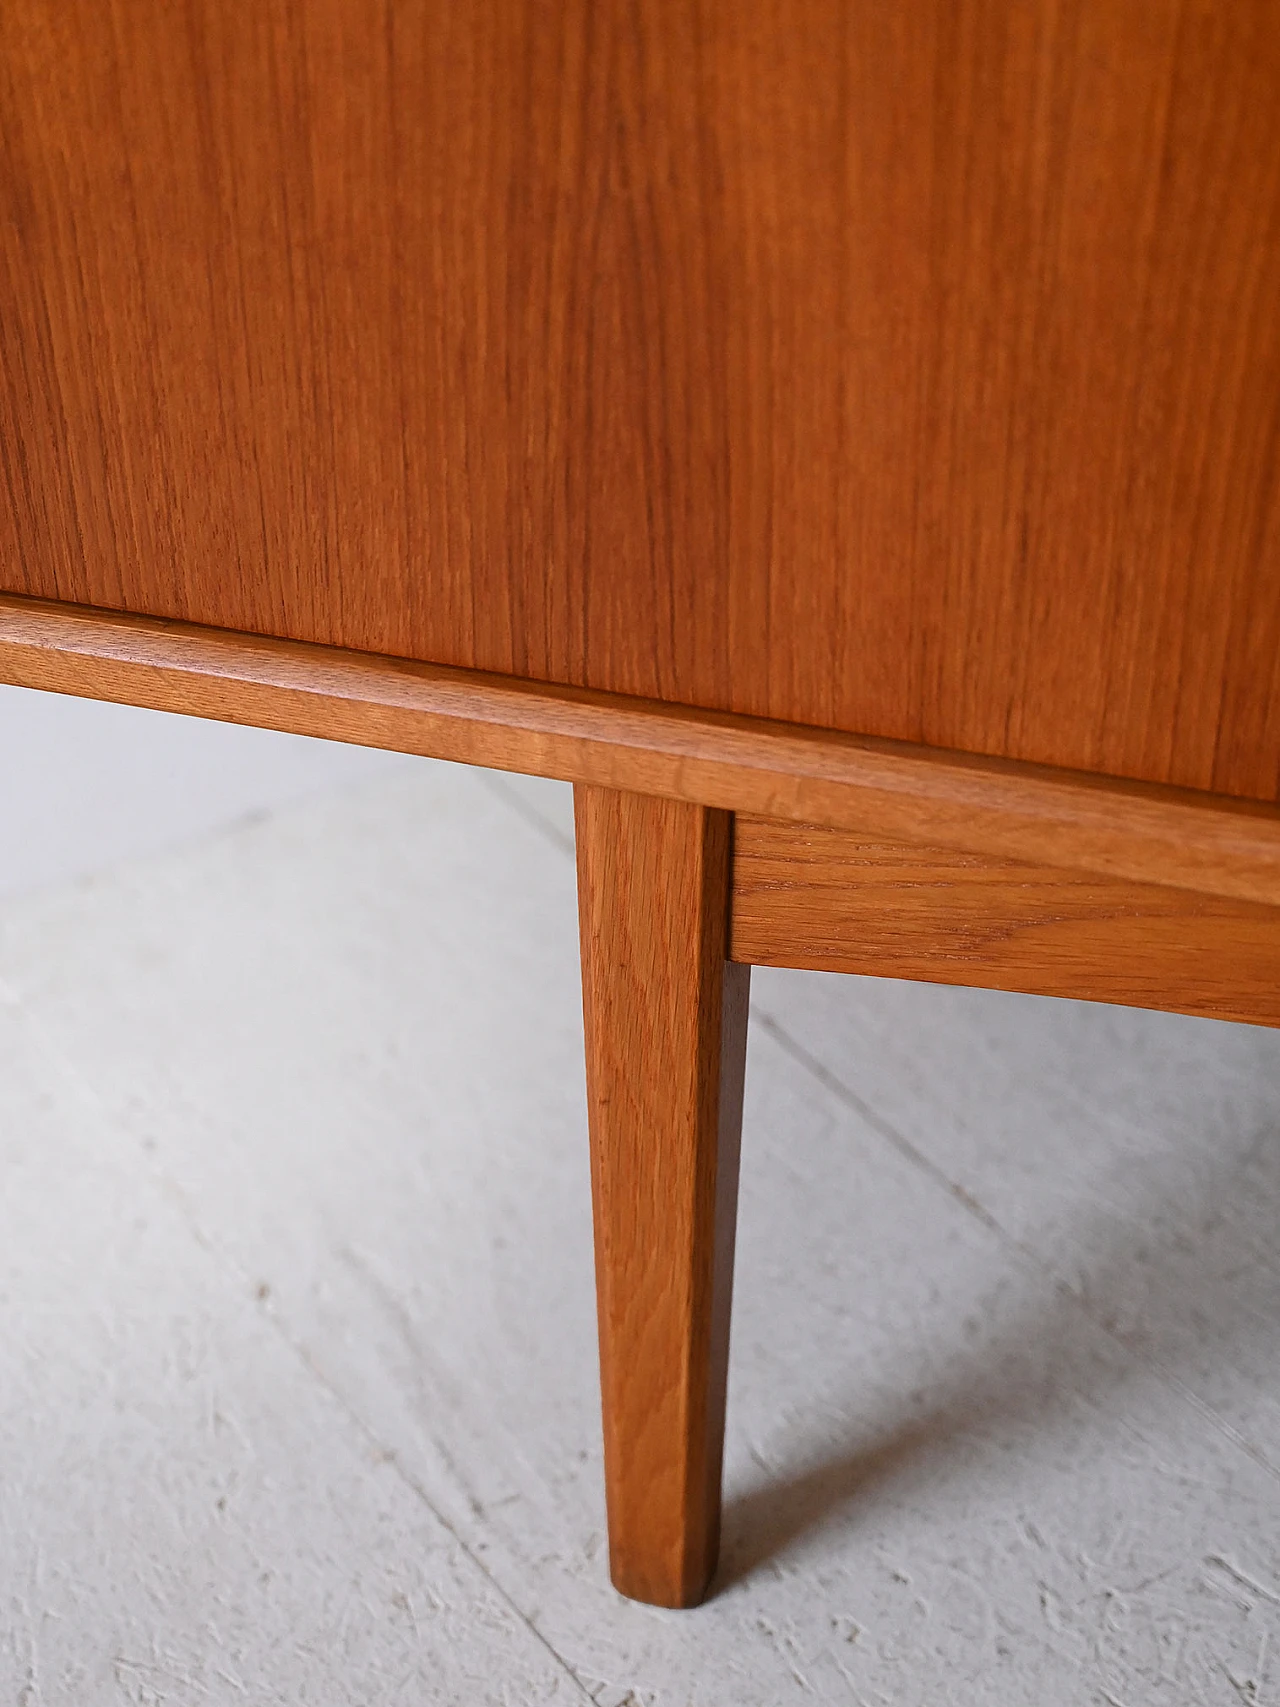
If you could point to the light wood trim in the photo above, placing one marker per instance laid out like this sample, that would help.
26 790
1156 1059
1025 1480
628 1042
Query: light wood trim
809 896
893 790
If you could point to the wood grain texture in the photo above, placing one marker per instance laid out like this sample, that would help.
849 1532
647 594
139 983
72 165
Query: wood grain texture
839 902
911 370
666 1027
1175 837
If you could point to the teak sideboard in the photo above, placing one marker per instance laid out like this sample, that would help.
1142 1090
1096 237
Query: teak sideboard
841 438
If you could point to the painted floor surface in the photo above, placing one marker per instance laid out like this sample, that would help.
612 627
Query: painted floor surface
297 1370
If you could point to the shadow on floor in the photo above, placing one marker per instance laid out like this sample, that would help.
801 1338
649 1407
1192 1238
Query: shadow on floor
1187 1294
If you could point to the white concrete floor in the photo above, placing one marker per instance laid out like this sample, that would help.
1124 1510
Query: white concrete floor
297 1366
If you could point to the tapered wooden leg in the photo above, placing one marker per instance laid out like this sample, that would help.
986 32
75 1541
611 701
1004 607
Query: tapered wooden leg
666 1023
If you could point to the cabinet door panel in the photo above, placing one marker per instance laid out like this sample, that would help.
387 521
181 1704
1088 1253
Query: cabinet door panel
906 369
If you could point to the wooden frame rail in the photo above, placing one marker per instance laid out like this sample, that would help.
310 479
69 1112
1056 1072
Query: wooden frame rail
810 896
892 790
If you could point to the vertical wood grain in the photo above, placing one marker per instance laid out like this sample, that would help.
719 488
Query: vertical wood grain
910 369
666 1049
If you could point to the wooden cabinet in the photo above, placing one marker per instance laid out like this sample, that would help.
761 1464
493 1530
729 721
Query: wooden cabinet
860 419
